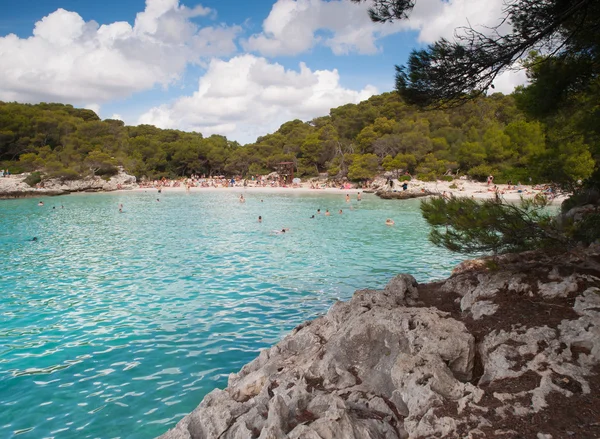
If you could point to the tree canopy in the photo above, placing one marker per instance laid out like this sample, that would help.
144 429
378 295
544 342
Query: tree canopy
557 41
564 31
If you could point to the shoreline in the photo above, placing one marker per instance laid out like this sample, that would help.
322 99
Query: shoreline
462 188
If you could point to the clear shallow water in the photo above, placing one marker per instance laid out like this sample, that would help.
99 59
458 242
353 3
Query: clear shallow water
116 325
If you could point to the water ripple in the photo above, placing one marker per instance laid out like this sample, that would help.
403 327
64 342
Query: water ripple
116 325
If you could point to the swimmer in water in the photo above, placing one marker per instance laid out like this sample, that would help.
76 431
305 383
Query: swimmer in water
242 199
389 222
260 219
34 238
347 198
318 211
358 197
41 203
340 211
327 212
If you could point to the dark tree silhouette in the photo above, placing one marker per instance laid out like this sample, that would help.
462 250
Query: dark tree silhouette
449 72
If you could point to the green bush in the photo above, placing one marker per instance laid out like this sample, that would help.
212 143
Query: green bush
33 179
430 176
447 178
64 174
588 229
107 171
513 175
453 186
481 172
405 178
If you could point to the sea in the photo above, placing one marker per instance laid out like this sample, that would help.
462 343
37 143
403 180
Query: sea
116 324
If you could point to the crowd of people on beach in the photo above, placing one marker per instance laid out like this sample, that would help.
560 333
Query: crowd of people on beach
217 182
261 181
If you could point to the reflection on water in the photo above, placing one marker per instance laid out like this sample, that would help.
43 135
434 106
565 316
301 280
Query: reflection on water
116 325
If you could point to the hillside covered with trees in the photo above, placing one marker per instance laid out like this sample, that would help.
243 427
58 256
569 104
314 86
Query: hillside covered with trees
487 135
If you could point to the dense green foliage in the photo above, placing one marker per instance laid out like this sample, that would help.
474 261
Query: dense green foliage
468 226
485 136
563 96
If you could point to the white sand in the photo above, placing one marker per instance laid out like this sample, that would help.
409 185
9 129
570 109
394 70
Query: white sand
464 188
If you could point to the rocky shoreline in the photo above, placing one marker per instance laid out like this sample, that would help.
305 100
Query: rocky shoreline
507 347
15 186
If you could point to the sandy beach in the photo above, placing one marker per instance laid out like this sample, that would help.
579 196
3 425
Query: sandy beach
456 188
460 188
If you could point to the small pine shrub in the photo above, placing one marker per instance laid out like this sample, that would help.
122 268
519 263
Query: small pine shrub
33 179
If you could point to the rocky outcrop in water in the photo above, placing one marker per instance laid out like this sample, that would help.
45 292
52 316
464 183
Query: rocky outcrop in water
507 347
15 186
403 195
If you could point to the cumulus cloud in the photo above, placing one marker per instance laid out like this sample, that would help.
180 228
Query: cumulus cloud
508 80
248 96
296 26
69 59
435 19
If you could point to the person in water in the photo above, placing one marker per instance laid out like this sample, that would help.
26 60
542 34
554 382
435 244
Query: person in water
259 219
318 211
358 197
389 222
327 212
41 203
347 198
242 199
340 211
34 238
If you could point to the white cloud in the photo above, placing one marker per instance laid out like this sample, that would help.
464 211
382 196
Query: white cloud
508 80
296 26
68 59
435 19
248 96
94 107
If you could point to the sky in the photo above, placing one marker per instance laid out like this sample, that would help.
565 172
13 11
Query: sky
238 68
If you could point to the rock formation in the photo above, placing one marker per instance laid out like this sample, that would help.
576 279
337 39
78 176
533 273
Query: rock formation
403 195
15 186
507 347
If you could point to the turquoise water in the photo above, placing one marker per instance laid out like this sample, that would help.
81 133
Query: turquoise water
116 325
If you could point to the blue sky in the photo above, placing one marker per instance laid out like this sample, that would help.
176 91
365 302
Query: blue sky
233 67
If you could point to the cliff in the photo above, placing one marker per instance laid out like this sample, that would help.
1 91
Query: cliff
15 186
507 347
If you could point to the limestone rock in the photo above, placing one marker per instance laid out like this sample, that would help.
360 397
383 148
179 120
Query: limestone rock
387 364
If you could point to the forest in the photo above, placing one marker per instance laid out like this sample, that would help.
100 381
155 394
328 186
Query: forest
486 135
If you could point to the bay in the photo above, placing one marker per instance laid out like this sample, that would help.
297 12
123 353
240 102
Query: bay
115 325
